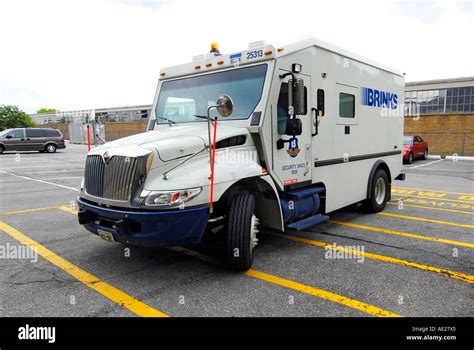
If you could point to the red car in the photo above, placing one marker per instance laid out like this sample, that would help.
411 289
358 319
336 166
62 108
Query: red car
414 147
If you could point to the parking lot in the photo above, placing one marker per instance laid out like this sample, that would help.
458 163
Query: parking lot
413 259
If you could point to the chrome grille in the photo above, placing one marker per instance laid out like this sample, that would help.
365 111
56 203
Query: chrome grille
114 180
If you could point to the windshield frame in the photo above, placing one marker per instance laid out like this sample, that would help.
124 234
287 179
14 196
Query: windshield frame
159 121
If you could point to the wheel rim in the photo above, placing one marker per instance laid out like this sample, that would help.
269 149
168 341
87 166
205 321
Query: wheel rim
253 232
426 154
410 157
380 189
50 148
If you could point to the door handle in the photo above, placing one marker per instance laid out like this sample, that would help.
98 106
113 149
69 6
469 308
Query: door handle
22 139
315 121
28 139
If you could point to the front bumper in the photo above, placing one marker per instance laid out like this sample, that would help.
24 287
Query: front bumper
145 228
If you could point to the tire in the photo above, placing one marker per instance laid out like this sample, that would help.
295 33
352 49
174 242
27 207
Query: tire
425 154
2 149
410 158
378 192
50 148
240 245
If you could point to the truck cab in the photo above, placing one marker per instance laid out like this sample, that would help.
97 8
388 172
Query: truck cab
263 138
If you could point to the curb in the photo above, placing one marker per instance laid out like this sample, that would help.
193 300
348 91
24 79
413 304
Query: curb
460 158
438 157
434 157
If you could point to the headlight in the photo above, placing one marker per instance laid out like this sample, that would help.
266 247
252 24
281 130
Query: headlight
171 198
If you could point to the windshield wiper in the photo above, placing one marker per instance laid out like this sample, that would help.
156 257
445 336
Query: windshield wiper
168 120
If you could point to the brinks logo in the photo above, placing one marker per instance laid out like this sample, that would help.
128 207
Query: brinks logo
379 98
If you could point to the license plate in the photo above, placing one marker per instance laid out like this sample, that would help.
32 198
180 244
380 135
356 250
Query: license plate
105 235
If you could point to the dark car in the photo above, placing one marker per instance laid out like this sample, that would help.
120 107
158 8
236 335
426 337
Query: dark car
414 147
31 139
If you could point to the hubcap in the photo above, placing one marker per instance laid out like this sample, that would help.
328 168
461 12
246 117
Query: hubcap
50 148
253 232
380 189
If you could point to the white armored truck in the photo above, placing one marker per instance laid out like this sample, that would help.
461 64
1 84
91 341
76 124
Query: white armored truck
296 133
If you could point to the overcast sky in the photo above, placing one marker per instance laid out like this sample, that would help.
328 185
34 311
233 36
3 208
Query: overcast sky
105 53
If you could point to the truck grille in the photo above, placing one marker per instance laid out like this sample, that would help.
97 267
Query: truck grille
113 180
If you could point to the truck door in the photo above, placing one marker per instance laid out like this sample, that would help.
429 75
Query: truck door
291 155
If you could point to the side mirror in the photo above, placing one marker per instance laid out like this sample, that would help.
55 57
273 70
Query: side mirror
293 127
296 96
224 105
8 137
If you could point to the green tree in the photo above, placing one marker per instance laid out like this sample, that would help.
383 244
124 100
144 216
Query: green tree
46 110
13 117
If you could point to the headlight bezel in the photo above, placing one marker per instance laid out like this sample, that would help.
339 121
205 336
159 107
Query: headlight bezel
170 199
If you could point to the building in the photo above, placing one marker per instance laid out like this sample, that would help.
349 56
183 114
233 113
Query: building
442 112
103 115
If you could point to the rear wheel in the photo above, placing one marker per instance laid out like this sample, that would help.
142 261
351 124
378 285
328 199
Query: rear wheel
425 154
50 148
378 192
242 232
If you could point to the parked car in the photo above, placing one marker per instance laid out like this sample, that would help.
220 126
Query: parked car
414 147
31 139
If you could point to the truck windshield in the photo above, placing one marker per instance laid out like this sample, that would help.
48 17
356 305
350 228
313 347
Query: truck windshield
186 100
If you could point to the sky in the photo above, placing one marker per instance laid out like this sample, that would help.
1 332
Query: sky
84 54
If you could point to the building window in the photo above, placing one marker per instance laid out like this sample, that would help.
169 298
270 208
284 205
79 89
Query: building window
346 105
450 100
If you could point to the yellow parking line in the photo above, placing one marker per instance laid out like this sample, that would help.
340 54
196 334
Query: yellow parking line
303 288
448 273
427 190
29 210
67 209
433 208
404 234
433 198
352 303
91 281
426 220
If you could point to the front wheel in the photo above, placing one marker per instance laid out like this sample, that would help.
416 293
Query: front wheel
242 231
2 149
410 158
378 192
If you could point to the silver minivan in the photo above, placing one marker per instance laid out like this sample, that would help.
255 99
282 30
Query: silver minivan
31 139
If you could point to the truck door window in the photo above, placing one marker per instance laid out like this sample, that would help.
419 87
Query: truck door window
282 108
346 105
320 102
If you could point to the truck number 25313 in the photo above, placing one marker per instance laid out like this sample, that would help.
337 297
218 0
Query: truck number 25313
254 54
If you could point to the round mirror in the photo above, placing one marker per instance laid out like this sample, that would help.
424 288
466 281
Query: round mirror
224 105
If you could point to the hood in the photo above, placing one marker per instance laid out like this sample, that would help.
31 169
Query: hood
176 141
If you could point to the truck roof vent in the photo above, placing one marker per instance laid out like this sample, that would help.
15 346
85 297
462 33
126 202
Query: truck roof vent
231 142
256 44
